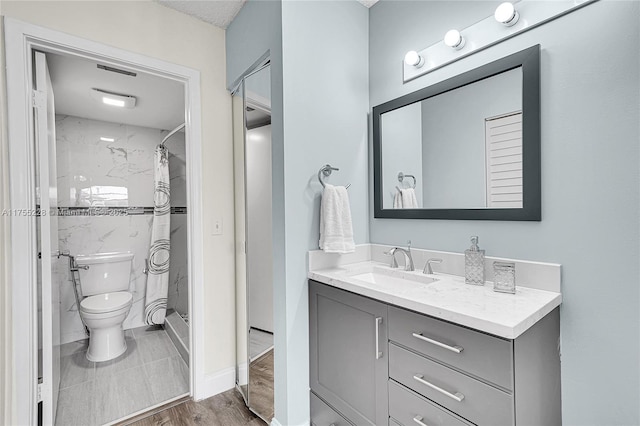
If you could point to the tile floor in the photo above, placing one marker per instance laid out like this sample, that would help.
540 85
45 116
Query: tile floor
260 342
150 372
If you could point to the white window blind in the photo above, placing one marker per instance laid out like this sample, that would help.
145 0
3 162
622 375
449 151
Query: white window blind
503 140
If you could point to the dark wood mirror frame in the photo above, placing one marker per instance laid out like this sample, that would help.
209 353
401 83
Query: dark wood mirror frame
529 60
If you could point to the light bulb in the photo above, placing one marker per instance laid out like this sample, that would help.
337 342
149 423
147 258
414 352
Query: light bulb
112 102
454 39
507 14
413 59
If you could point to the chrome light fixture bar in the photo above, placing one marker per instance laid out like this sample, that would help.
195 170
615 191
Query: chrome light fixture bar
508 20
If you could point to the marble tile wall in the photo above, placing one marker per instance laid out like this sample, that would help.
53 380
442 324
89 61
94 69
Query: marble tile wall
94 172
178 267
111 164
178 271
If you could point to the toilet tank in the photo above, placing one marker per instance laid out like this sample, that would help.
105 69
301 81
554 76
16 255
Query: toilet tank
106 272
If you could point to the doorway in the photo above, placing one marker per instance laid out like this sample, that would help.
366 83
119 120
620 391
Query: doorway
90 181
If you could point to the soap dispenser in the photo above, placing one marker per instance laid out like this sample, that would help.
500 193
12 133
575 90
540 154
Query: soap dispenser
474 264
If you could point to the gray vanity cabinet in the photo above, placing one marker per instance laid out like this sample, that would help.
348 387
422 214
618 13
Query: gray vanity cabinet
373 363
348 357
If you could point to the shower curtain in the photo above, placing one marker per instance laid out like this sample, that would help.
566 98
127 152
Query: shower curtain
158 271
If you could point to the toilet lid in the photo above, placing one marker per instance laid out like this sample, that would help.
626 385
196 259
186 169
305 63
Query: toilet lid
107 302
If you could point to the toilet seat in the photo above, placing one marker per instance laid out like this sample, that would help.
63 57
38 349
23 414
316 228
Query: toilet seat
108 302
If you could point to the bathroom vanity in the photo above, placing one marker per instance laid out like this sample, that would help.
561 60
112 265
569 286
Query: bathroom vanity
403 348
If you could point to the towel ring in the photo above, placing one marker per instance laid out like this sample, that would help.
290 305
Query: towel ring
326 172
401 177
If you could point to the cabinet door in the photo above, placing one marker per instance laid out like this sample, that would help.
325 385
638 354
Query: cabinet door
348 353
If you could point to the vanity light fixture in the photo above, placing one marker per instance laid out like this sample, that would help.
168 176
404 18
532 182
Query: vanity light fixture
113 99
454 39
412 58
486 33
507 14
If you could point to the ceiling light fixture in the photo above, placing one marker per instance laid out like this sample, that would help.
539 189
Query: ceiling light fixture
113 99
412 58
103 139
454 39
507 14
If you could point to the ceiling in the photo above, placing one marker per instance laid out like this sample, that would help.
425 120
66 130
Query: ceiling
217 12
159 101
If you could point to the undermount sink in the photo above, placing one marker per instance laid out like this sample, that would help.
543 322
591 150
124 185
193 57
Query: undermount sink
392 277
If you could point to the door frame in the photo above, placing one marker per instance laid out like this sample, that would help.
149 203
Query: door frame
20 39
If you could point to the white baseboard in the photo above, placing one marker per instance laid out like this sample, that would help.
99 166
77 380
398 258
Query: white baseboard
215 383
243 374
275 422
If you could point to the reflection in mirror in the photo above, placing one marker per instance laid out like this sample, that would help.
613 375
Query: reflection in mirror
464 148
254 259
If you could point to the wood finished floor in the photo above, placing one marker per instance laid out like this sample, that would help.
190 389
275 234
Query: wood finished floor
261 385
225 409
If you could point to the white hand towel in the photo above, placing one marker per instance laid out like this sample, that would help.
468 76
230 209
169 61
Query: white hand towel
409 199
336 229
397 200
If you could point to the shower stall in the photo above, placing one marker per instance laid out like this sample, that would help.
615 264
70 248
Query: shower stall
177 319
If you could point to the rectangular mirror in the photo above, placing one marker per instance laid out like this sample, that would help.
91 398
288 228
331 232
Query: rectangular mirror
465 148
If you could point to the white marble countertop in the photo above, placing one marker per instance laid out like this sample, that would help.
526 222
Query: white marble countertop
448 298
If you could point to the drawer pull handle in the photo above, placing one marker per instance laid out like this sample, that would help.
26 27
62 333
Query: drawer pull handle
378 352
456 349
418 420
457 396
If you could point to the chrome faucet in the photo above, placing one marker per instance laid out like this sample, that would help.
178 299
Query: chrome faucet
427 268
407 254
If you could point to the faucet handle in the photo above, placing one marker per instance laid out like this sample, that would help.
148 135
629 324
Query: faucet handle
394 262
427 267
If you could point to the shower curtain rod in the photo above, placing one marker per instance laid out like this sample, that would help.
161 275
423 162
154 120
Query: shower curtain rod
173 132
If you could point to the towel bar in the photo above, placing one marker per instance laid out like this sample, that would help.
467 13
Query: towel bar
401 177
326 171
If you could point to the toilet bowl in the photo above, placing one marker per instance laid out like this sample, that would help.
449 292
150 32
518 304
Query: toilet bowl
103 315
104 281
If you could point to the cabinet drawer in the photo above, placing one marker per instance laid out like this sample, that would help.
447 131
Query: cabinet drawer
472 399
487 357
392 422
410 409
323 415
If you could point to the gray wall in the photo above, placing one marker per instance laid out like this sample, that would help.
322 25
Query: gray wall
325 121
453 137
326 98
401 132
590 182
260 252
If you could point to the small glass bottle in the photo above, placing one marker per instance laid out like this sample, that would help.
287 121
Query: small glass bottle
504 279
474 264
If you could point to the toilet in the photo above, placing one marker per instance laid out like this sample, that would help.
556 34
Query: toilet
104 281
